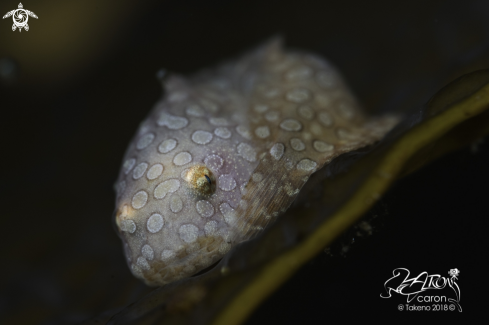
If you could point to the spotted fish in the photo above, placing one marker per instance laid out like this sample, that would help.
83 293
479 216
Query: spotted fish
227 151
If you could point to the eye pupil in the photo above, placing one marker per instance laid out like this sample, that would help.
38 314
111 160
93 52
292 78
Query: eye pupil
208 179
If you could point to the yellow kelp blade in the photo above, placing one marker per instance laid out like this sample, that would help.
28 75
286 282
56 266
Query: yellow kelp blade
229 292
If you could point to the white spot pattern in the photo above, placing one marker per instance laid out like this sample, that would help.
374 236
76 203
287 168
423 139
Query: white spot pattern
228 212
155 223
167 255
227 182
297 144
139 170
277 151
306 112
167 145
322 146
222 133
257 177
218 121
204 208
176 204
147 252
143 263
213 162
145 141
139 200
182 158
260 108
195 110
168 186
210 228
326 119
291 125
172 122
128 225
247 152
306 165
188 233
272 116
299 95
262 132
155 171
244 132
128 165
201 137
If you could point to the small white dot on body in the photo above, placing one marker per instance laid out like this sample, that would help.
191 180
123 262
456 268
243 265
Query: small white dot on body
322 146
257 177
224 248
168 186
222 132
167 254
155 223
213 162
297 144
202 137
182 158
277 151
243 131
155 171
167 145
147 252
290 125
121 187
299 73
260 108
272 116
306 112
176 203
298 95
325 119
188 233
345 134
128 225
128 165
145 141
210 228
172 122
139 200
195 110
228 212
209 106
262 132
139 170
247 152
204 208
218 121
226 182
142 263
306 165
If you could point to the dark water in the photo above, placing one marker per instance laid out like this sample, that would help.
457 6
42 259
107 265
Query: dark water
74 89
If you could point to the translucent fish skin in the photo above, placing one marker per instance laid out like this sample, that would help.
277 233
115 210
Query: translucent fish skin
227 151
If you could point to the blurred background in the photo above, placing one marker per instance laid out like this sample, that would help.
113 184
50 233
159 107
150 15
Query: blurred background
74 88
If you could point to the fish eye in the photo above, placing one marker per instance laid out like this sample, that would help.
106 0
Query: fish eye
201 182
208 179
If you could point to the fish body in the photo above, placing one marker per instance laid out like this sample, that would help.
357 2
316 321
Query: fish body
227 151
